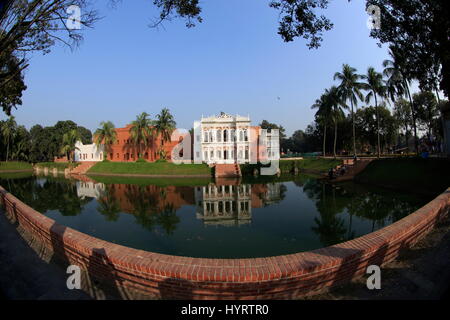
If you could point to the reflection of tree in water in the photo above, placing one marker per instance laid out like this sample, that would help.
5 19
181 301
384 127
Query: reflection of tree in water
330 228
168 219
108 204
54 194
379 206
147 208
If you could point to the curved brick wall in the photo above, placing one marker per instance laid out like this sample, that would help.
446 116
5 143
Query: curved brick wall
281 277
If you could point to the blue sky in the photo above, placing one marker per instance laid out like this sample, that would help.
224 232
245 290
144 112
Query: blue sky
234 62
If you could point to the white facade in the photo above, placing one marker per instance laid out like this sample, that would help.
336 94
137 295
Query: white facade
222 139
227 139
88 152
90 189
224 205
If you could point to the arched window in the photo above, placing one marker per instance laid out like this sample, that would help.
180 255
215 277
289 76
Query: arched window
225 135
219 135
241 135
206 137
245 135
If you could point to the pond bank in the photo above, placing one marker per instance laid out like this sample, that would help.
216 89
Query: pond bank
419 273
415 175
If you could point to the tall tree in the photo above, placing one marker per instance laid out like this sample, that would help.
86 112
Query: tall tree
35 26
164 126
323 114
402 113
374 84
399 80
8 131
68 144
350 89
427 110
141 130
105 135
337 112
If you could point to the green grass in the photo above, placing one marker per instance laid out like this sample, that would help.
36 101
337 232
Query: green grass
150 168
14 165
58 165
426 176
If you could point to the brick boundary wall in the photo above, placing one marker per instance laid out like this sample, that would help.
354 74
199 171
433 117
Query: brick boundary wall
172 277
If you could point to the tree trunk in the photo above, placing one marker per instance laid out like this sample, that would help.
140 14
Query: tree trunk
324 137
335 137
7 149
413 119
378 125
354 131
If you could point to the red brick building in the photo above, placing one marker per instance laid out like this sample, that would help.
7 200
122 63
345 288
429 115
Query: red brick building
125 150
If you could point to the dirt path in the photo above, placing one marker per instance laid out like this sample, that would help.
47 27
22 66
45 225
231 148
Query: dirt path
421 272
25 276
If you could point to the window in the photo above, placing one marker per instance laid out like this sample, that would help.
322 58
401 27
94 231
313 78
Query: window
219 135
241 136
206 137
225 135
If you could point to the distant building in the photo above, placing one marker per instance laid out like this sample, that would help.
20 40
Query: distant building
88 152
227 139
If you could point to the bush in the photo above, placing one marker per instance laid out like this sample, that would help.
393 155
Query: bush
141 160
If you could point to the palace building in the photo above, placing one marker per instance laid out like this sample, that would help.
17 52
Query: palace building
221 139
227 139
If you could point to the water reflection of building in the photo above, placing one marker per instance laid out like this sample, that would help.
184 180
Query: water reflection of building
89 189
232 204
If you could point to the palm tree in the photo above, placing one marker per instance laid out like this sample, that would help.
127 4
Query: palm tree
374 84
337 112
323 114
68 144
141 130
350 90
8 131
398 82
164 126
105 135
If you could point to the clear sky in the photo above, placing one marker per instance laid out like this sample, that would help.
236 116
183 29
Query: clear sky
234 62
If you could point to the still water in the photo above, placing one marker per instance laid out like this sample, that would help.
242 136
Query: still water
223 220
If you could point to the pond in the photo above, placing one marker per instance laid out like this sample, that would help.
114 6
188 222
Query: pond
229 219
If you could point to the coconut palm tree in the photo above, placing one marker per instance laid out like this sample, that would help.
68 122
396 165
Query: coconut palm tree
105 135
375 85
8 131
164 126
398 82
68 144
337 112
323 114
350 89
141 130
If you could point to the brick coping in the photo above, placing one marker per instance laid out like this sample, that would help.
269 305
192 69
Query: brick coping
276 277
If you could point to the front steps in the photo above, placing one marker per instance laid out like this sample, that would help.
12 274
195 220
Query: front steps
227 171
83 167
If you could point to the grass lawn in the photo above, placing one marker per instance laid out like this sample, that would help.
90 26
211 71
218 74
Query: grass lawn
58 165
431 176
14 165
150 168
